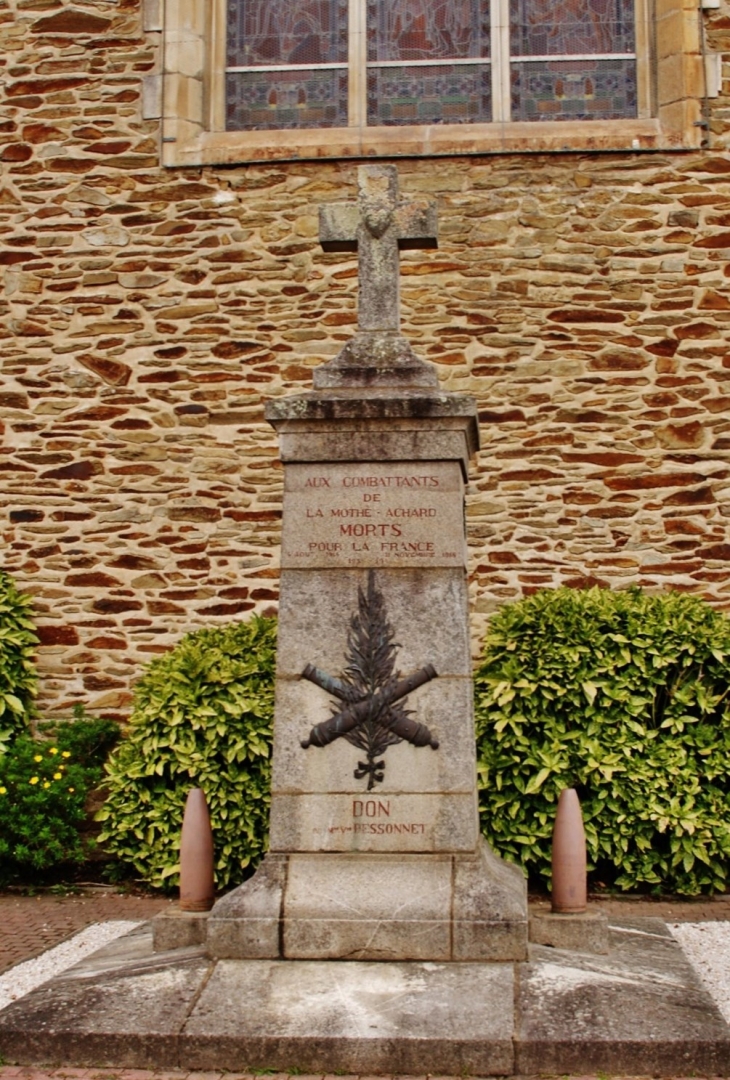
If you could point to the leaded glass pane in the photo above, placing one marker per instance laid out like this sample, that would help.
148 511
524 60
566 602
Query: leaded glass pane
564 27
444 94
284 32
261 100
427 29
573 90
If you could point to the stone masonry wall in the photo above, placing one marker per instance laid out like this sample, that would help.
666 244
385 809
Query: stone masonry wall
146 315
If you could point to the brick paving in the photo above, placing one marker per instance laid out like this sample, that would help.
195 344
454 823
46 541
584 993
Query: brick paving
31 924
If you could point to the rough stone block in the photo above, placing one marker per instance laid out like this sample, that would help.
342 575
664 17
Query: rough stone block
152 15
151 97
585 932
360 1018
489 908
368 907
427 610
363 514
375 906
370 442
640 1009
177 929
93 1017
246 921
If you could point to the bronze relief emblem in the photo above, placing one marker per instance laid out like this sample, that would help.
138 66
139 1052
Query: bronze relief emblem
370 708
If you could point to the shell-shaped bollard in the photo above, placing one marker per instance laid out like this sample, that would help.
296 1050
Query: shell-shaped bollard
197 891
569 893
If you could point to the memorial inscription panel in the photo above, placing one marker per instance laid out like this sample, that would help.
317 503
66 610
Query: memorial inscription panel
380 822
373 514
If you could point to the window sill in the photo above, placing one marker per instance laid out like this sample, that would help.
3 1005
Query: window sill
187 144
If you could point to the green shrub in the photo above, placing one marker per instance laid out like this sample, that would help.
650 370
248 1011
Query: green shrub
90 739
18 680
43 790
202 718
626 697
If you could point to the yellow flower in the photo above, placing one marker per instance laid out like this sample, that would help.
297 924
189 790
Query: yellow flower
53 750
38 757
65 753
34 779
57 776
3 791
70 789
46 784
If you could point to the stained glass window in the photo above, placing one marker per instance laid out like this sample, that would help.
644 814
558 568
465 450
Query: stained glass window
404 30
560 27
573 90
404 86
444 94
286 64
290 63
595 75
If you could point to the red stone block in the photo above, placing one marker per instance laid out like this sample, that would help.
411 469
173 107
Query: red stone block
104 641
651 481
71 21
77 470
16 152
57 635
586 315
109 605
691 498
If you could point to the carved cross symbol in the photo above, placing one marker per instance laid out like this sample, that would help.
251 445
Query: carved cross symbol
378 226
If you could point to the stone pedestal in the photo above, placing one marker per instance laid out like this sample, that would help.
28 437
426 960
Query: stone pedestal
586 932
379 856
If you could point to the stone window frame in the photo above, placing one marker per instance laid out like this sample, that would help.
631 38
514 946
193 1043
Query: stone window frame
670 77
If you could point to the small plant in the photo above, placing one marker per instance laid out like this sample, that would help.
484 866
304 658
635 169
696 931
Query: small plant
626 697
18 679
45 785
202 718
89 738
42 794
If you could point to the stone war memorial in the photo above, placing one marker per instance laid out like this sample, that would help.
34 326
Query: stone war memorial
380 935
375 846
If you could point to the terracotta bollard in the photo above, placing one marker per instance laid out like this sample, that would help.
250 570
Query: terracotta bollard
569 892
569 925
197 891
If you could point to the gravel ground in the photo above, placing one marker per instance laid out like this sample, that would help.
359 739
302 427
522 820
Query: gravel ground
25 977
707 945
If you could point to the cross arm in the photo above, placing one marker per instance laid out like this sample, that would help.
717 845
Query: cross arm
338 224
416 224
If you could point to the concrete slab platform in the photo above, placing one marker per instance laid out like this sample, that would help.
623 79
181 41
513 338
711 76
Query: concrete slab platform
638 1010
365 1017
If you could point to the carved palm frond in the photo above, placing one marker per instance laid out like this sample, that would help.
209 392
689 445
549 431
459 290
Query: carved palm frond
371 649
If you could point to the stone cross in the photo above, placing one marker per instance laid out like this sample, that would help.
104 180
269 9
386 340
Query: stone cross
378 226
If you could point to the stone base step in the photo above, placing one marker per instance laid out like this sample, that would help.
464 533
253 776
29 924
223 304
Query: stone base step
637 1010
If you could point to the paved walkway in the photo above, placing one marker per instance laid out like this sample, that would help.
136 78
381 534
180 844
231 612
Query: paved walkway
31 924
26 1072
